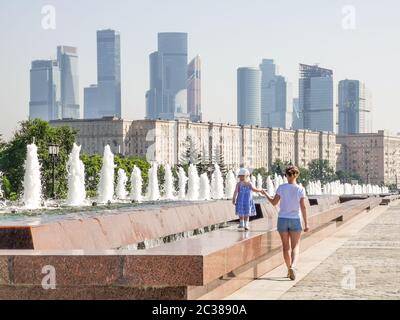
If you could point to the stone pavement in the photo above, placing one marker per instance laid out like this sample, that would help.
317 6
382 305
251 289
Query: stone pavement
360 261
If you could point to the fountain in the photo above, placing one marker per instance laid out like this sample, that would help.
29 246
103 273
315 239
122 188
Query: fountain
259 181
1 185
204 187
230 184
32 196
217 184
136 184
270 187
253 180
121 185
153 192
105 191
276 181
76 178
169 189
182 183
193 183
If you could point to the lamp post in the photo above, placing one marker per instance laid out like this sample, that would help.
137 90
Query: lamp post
54 150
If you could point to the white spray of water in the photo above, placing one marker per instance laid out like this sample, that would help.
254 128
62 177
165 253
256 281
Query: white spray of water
32 185
1 185
230 184
121 184
76 178
193 183
182 183
205 193
136 184
105 191
259 181
168 183
270 187
153 191
253 180
217 183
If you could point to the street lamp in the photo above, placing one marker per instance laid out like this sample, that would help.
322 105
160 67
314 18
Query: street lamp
54 150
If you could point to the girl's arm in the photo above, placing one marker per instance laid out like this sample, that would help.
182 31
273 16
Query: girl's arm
235 194
273 200
255 189
304 214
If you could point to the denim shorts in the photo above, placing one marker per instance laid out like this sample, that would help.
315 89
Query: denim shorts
289 225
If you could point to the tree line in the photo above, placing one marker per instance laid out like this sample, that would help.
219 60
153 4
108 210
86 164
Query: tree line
13 155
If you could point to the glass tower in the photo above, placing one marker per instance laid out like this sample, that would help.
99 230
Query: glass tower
249 96
167 96
45 90
67 58
316 107
194 89
354 108
276 97
104 99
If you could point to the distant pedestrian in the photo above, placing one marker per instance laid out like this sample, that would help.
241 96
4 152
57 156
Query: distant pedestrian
292 199
243 199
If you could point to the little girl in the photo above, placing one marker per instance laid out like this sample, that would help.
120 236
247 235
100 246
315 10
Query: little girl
243 198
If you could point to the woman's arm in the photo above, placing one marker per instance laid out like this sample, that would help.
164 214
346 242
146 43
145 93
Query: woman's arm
273 200
304 214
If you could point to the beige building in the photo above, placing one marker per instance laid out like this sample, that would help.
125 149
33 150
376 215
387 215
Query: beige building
165 141
374 156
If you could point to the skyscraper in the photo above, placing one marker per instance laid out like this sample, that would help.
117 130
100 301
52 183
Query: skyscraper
276 98
316 106
67 58
167 96
354 108
45 90
249 96
194 89
104 99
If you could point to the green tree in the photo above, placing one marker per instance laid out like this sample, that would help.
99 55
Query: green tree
190 155
304 177
218 158
347 177
93 164
264 174
321 170
278 167
13 155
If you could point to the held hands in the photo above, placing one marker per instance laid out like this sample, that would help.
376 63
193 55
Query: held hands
265 193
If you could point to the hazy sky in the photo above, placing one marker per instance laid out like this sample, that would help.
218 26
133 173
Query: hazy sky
226 33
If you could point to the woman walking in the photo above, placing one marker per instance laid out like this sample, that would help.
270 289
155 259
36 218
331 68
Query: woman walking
292 201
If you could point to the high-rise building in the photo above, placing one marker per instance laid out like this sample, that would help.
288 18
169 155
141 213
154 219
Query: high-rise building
276 98
167 96
45 90
67 58
316 106
104 99
296 114
194 89
354 108
249 96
